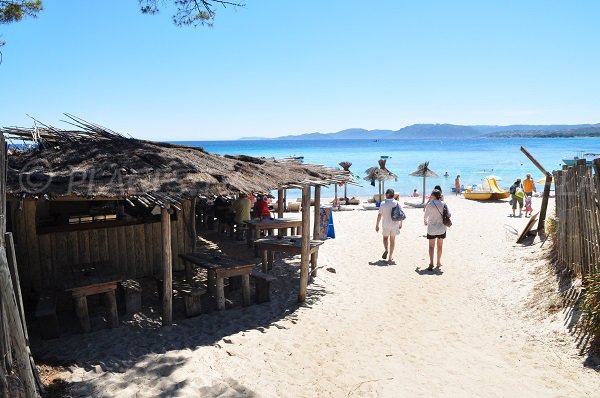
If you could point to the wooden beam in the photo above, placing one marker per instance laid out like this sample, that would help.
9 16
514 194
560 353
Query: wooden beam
534 161
317 214
194 232
17 333
305 248
14 273
167 263
544 208
280 203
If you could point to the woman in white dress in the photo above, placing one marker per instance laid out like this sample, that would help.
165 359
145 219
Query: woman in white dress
436 230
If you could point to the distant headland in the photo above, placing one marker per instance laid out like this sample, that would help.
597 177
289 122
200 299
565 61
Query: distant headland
438 131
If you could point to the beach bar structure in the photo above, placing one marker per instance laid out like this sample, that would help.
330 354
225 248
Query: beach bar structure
92 196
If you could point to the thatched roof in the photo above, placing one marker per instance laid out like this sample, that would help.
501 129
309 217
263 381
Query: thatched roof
380 173
94 162
424 171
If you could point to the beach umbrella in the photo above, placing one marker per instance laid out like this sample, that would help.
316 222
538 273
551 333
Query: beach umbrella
543 180
346 166
424 171
380 174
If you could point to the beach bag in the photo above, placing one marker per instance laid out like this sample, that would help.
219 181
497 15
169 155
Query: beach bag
445 216
519 193
397 213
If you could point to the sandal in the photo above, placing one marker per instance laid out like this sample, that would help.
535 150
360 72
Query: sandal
384 255
430 268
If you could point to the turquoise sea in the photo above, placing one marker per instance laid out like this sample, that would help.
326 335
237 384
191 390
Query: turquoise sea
471 158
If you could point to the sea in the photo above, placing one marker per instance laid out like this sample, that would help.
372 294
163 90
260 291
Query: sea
472 159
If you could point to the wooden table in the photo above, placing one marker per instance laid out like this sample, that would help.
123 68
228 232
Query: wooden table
281 224
220 266
286 244
89 280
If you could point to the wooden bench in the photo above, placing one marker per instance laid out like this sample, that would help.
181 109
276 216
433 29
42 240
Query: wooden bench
45 314
192 299
263 286
130 291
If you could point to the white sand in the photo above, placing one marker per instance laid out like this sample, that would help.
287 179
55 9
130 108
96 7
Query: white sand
366 330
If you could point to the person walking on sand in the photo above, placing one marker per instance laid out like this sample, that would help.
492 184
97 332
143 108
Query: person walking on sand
516 193
457 184
528 186
436 230
389 227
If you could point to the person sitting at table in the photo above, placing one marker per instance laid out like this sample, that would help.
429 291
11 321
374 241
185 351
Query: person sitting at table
241 212
261 208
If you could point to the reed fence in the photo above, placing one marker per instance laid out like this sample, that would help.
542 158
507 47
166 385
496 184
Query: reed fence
577 240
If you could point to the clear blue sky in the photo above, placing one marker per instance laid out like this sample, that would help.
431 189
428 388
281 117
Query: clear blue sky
285 67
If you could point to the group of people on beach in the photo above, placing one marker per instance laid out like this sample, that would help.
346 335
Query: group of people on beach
522 192
434 212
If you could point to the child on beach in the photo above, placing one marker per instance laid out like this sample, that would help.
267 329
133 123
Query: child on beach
528 208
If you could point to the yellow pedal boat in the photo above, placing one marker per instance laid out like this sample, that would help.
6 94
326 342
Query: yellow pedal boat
477 195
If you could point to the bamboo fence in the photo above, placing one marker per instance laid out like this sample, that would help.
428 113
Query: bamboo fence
578 217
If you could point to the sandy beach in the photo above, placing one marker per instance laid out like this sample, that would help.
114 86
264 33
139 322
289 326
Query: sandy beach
367 330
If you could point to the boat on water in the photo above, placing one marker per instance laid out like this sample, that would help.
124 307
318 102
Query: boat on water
580 155
296 158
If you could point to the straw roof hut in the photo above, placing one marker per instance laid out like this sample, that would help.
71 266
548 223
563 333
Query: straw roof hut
90 195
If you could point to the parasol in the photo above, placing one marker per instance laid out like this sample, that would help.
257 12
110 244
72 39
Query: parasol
424 171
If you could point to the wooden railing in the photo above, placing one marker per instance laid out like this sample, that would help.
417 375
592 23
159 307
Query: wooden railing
577 240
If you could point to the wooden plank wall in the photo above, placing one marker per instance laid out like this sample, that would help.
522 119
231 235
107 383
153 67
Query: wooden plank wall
134 250
578 217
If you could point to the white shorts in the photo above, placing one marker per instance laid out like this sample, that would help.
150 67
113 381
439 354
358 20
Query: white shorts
391 231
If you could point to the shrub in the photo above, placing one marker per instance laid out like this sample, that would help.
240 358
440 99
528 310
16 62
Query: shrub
551 225
590 306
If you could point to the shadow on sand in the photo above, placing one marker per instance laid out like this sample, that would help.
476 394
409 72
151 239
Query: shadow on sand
425 271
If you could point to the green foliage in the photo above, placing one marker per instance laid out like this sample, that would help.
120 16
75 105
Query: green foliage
189 12
551 225
14 11
590 306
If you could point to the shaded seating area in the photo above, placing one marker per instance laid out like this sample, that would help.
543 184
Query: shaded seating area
131 207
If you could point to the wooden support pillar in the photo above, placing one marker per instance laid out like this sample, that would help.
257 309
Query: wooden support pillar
317 214
167 263
305 248
24 366
280 203
544 207
14 273
335 194
194 232
546 196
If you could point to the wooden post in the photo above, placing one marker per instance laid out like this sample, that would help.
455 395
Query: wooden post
546 196
544 207
305 248
14 273
335 199
167 263
317 213
194 232
280 203
16 328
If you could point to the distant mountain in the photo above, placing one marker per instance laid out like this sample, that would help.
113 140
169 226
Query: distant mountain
348 134
569 132
426 131
439 131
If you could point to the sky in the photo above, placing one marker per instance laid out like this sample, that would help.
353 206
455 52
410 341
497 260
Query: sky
277 67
